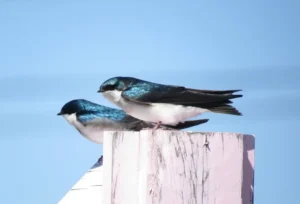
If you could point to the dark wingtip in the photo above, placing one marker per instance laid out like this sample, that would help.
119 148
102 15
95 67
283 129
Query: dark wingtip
236 96
189 123
203 121
217 92
237 90
232 91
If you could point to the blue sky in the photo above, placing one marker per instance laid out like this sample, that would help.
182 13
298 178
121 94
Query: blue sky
53 52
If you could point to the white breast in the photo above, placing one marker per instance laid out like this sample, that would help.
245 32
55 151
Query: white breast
95 130
113 96
161 112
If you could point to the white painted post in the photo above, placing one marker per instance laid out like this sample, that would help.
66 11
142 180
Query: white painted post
88 189
174 167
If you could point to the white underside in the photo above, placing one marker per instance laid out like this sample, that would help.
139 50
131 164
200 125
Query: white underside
95 130
156 112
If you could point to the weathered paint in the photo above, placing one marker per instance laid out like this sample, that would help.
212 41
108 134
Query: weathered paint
178 168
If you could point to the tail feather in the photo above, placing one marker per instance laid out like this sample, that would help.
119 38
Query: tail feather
226 109
187 124
220 106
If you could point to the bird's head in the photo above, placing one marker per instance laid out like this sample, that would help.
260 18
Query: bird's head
115 84
69 108
75 106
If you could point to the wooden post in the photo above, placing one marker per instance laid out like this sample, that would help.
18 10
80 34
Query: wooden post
89 187
174 167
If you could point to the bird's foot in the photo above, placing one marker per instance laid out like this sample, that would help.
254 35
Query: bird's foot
157 126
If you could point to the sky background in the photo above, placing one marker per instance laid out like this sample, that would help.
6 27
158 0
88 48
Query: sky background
53 52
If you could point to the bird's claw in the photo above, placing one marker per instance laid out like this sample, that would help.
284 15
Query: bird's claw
157 126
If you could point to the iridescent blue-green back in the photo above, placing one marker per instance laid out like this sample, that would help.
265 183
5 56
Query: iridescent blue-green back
87 111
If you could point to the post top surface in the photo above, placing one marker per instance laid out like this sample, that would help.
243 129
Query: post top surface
149 131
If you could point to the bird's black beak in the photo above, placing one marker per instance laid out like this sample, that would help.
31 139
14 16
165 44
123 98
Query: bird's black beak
100 90
60 113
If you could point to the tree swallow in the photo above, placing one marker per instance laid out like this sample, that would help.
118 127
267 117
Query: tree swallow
91 120
165 104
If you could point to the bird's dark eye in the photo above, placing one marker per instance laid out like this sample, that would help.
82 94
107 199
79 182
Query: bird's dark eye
109 87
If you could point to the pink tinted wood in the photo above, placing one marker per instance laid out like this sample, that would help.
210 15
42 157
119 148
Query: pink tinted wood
177 167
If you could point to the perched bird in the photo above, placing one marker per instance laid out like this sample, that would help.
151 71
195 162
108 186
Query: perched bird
91 119
165 104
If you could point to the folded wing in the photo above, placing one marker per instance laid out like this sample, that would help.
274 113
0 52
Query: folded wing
213 100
